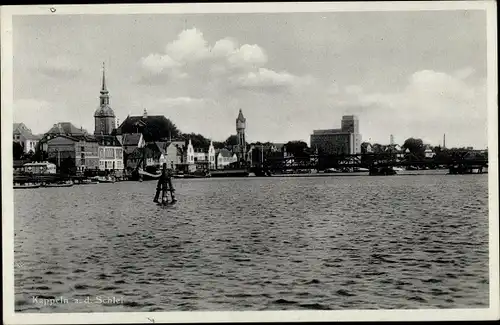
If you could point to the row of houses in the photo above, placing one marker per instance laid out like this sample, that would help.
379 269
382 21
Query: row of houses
396 148
74 148
139 141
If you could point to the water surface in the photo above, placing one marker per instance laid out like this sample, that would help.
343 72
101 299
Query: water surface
255 244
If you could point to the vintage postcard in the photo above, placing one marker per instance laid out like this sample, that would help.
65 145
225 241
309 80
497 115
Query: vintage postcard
238 162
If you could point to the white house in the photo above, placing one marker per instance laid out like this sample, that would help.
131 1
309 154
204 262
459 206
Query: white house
429 153
190 153
110 153
224 157
110 158
211 156
22 135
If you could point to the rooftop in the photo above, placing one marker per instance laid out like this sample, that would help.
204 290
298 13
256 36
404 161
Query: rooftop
66 128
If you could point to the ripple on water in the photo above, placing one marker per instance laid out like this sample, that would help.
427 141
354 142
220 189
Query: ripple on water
255 243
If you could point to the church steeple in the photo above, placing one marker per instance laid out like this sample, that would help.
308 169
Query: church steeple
104 91
105 119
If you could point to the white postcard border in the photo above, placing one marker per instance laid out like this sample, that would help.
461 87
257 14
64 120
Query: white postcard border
243 316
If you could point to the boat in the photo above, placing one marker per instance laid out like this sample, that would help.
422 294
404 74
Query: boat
89 181
179 175
64 184
332 170
230 173
106 179
21 186
379 171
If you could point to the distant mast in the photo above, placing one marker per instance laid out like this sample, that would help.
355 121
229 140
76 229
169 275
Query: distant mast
444 140
391 140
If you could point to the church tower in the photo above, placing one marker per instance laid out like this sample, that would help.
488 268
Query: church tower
240 133
104 116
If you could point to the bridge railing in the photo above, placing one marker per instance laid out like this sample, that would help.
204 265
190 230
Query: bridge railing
366 160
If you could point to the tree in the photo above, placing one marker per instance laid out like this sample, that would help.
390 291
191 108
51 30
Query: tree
155 129
197 140
416 147
232 140
18 151
296 148
219 145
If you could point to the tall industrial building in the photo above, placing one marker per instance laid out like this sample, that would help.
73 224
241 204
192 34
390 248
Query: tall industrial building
346 140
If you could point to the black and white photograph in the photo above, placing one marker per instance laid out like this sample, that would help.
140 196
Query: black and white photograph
250 162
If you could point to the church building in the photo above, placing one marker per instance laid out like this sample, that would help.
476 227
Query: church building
104 116
110 149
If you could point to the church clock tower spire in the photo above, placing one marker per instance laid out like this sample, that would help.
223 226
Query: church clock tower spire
104 116
104 91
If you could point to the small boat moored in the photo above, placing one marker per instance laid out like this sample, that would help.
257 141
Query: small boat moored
62 184
107 179
21 186
89 181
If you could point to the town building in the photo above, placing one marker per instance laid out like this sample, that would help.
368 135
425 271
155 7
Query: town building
172 154
159 152
110 154
240 133
346 140
23 135
224 158
152 127
186 157
204 158
72 153
429 152
132 144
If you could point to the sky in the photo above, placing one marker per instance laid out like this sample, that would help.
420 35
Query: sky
410 74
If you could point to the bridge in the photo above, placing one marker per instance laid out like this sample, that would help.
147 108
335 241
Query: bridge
458 162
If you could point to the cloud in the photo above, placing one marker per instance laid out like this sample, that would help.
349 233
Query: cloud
190 56
157 63
265 78
59 67
430 104
34 113
247 56
464 73
353 89
179 101
189 46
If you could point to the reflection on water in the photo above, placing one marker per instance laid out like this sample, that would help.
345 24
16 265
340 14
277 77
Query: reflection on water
255 244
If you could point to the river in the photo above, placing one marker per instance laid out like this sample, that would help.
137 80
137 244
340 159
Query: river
278 243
